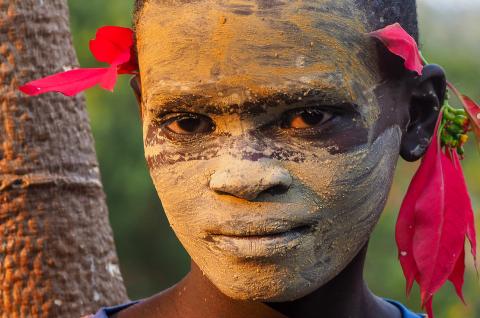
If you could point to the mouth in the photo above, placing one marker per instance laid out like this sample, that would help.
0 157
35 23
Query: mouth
261 242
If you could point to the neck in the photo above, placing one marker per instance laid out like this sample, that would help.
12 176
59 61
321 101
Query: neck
344 296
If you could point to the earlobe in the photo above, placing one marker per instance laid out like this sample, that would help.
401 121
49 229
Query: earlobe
428 96
136 85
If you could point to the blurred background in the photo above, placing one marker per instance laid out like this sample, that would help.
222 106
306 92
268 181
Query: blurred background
152 259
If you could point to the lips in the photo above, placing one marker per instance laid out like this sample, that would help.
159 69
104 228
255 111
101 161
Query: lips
261 241
252 234
259 227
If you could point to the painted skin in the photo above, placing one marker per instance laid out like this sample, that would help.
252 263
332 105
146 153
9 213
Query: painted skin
271 136
259 127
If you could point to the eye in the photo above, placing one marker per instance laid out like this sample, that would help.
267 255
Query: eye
305 118
190 124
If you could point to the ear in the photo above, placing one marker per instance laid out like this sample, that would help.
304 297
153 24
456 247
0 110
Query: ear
136 85
428 96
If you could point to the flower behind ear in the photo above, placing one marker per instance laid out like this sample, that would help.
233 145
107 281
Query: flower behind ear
436 216
112 45
400 43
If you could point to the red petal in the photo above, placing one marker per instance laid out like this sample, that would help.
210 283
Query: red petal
435 217
457 276
400 43
405 228
429 215
71 82
110 79
112 45
130 67
473 111
467 202
404 237
458 202
429 307
440 226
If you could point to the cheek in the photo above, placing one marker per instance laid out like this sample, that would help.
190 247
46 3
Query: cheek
351 190
183 189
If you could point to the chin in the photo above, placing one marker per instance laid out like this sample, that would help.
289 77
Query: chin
287 276
270 283
278 268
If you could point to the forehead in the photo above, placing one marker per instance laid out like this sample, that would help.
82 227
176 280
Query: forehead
252 49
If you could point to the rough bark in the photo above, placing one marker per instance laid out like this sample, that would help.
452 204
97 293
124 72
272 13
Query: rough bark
57 255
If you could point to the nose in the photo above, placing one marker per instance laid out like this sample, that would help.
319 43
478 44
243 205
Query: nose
249 179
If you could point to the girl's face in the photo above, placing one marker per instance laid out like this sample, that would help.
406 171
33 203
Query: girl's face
268 136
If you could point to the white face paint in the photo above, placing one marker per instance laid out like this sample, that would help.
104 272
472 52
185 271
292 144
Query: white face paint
284 179
277 247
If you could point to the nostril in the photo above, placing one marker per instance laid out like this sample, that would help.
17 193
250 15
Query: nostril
275 190
249 181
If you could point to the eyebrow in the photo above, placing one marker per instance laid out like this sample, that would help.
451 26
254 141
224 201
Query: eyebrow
202 103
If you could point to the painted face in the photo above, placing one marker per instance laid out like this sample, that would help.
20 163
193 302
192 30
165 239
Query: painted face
265 136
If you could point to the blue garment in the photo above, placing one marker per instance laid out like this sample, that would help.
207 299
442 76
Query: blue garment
405 312
107 312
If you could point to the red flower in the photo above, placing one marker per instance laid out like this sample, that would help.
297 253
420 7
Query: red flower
400 43
436 215
435 218
112 45
472 109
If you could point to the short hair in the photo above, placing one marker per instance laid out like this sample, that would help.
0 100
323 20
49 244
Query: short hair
379 13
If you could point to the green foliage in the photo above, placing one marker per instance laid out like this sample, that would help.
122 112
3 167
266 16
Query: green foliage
151 257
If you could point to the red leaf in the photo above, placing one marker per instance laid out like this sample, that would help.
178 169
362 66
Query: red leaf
434 219
467 202
406 225
400 43
457 202
473 111
72 82
110 79
112 45
440 226
130 67
457 276
429 308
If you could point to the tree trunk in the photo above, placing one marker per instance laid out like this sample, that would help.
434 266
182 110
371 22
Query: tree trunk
57 255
